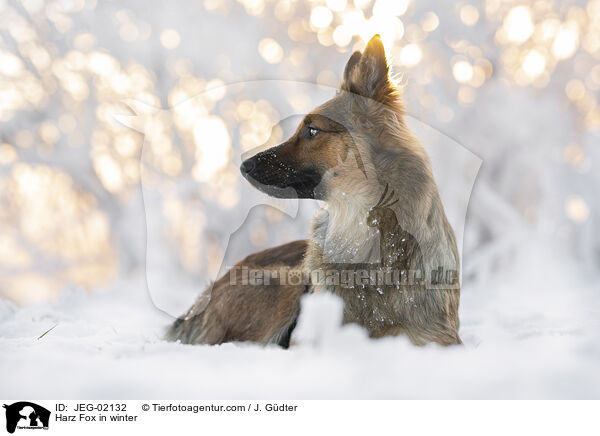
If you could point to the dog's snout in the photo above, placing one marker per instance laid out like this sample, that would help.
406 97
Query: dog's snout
248 166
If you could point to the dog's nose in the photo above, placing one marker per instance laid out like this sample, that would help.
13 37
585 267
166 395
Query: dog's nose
248 166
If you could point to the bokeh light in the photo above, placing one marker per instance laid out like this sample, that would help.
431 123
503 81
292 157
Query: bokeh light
69 167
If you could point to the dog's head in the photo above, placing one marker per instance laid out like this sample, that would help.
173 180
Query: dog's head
332 146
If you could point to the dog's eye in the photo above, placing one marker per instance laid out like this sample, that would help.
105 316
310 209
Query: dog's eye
313 131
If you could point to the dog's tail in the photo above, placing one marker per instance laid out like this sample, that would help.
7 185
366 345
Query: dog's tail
175 330
185 330
191 328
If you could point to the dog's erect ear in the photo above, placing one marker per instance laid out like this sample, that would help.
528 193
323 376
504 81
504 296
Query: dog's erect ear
374 67
367 73
350 66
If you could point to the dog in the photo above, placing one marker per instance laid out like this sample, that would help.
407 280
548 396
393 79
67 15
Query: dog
383 225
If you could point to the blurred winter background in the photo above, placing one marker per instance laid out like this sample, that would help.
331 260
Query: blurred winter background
98 97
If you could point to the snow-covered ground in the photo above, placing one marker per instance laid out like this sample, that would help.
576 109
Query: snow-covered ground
530 302
535 334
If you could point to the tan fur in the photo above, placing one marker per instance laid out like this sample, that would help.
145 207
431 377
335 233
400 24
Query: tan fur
383 211
392 156
230 310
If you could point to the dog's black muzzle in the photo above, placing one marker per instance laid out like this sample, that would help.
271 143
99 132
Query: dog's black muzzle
278 178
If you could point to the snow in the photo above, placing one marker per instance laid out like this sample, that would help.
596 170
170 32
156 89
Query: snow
529 306
542 343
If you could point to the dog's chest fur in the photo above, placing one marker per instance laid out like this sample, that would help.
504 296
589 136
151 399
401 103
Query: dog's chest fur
342 240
